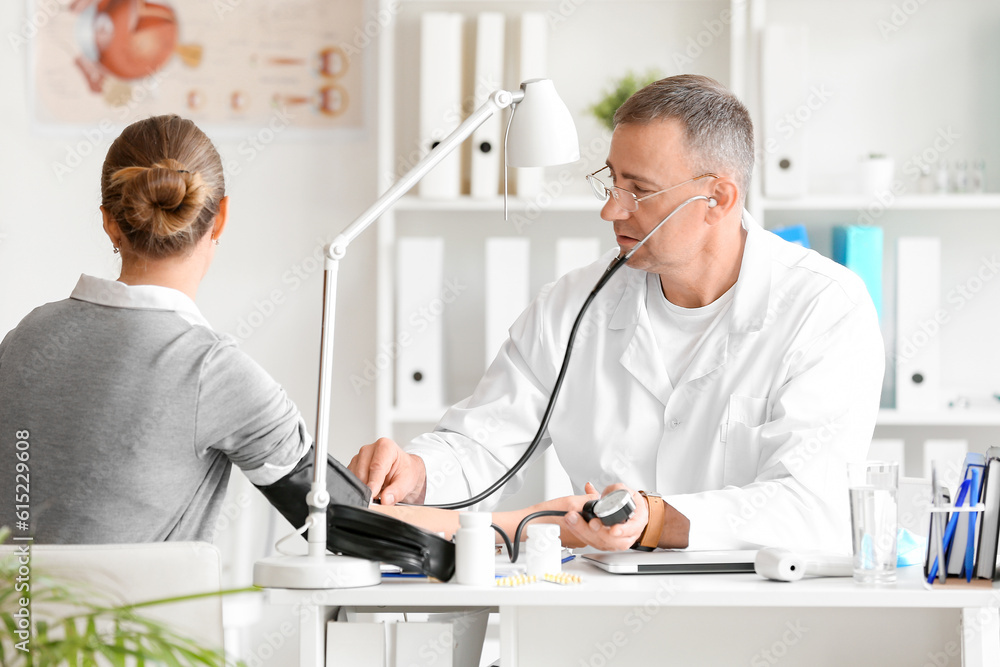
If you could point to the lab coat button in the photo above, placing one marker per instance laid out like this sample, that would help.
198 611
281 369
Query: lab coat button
674 423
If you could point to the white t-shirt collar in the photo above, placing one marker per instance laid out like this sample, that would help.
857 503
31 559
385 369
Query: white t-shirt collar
140 297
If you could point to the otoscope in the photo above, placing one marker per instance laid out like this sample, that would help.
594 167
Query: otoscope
607 509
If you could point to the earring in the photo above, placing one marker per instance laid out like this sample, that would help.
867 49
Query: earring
215 241
116 249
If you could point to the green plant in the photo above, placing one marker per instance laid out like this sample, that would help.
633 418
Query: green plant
74 624
622 89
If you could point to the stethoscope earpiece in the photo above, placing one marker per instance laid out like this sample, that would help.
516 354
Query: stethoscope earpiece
712 202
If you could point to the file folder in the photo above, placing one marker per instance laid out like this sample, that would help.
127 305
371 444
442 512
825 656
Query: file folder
859 248
507 293
532 64
419 328
487 148
440 98
918 339
784 92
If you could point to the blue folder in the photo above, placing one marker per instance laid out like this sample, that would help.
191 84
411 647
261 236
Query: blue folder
859 248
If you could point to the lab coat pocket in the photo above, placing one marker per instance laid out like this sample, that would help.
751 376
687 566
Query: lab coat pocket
741 435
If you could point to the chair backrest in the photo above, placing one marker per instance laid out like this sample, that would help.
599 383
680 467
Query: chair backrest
133 573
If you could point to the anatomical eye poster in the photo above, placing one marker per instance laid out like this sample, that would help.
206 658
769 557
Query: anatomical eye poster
237 63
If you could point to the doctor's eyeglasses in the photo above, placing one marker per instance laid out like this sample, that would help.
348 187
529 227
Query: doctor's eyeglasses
626 200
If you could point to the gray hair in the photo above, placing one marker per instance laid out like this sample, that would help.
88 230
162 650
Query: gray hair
718 131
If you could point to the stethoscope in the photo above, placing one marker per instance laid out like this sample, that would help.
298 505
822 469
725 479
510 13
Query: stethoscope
613 508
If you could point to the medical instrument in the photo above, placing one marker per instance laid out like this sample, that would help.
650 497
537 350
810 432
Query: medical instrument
616 507
615 265
786 565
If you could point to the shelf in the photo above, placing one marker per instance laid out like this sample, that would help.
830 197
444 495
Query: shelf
956 417
462 204
985 202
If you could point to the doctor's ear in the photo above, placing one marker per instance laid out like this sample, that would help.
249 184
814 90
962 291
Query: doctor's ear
723 199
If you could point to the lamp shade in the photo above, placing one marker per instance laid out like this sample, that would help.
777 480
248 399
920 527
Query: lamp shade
542 132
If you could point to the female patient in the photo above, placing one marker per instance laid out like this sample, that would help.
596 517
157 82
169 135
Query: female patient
134 408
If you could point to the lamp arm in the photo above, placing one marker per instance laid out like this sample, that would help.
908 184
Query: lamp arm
497 101
318 497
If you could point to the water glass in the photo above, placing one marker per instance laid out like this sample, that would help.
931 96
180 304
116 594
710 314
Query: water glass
872 486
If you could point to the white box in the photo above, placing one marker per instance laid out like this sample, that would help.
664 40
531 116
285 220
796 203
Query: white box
355 644
424 644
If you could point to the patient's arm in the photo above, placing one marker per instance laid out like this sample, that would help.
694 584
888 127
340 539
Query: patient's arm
446 521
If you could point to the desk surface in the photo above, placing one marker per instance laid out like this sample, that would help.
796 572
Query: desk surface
600 588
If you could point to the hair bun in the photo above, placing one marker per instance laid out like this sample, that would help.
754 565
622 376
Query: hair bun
164 200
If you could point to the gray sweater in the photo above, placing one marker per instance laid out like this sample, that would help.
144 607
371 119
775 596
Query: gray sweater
134 409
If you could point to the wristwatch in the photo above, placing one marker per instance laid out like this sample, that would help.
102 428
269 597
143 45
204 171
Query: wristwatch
650 538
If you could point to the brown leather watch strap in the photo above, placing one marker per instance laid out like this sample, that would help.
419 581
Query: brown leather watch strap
650 538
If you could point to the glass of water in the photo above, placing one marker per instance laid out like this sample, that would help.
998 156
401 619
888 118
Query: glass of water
872 487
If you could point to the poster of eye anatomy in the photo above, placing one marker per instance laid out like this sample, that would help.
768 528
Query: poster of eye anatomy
236 63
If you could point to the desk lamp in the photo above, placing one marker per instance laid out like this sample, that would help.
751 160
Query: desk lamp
539 133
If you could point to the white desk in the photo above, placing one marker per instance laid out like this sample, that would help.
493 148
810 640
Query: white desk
695 619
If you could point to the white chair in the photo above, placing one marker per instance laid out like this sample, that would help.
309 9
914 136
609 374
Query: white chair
133 573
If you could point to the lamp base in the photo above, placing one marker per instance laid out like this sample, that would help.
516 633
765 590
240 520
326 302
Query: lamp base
310 572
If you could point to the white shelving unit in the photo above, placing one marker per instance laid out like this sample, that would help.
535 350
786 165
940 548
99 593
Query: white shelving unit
591 43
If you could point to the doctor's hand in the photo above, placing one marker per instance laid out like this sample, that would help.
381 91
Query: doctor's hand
392 474
608 538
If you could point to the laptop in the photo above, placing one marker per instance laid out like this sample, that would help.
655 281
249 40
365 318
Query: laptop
672 562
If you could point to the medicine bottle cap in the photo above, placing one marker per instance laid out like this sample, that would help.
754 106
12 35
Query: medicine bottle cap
475 519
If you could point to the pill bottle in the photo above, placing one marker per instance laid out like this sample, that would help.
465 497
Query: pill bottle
475 549
544 549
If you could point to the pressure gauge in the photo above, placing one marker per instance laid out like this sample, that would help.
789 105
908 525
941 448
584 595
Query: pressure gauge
616 507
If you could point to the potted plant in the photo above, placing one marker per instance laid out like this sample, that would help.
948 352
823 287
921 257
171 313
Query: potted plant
74 624
622 89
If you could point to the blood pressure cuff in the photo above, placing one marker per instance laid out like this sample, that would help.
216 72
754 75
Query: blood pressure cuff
353 529
288 494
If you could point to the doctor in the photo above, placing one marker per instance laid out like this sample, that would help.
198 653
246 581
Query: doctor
730 372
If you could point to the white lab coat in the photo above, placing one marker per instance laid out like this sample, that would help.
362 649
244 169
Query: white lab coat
751 444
